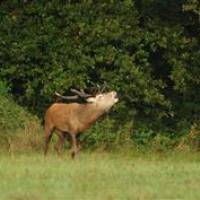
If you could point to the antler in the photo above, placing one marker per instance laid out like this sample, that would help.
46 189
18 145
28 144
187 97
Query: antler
97 89
80 93
104 87
100 89
66 97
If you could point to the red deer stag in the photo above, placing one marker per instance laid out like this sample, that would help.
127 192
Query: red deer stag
74 118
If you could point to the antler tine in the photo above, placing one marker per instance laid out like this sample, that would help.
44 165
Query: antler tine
98 90
82 90
104 86
81 93
66 97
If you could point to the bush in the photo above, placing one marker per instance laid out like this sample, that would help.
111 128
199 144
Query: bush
18 128
4 90
106 134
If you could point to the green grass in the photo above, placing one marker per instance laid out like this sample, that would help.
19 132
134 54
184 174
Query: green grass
100 176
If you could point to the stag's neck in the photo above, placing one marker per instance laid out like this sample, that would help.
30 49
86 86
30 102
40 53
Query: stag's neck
89 113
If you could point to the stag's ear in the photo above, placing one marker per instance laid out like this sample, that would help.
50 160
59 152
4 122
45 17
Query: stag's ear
91 99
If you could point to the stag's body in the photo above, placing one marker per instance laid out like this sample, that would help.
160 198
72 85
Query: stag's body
75 118
71 118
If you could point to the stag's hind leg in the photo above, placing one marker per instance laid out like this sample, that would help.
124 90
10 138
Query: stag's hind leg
61 141
48 136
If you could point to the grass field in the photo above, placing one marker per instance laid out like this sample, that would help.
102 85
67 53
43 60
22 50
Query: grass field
102 176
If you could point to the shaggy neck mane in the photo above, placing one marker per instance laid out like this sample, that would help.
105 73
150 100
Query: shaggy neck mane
89 113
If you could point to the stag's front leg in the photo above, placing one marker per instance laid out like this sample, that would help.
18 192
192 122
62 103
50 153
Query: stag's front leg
75 148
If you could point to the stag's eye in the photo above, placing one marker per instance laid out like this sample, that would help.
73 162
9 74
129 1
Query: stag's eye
100 96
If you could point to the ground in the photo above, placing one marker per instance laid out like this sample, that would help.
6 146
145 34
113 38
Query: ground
100 176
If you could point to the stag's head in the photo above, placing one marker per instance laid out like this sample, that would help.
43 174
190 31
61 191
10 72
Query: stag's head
104 100
101 100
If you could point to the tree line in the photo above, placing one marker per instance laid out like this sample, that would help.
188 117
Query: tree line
146 50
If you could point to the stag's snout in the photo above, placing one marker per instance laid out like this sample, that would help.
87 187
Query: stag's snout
115 96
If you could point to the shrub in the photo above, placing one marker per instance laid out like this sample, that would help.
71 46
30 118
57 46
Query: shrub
18 128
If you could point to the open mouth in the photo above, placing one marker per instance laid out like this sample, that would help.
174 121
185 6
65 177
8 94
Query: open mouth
116 97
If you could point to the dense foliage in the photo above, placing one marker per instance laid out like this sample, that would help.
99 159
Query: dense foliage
146 50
